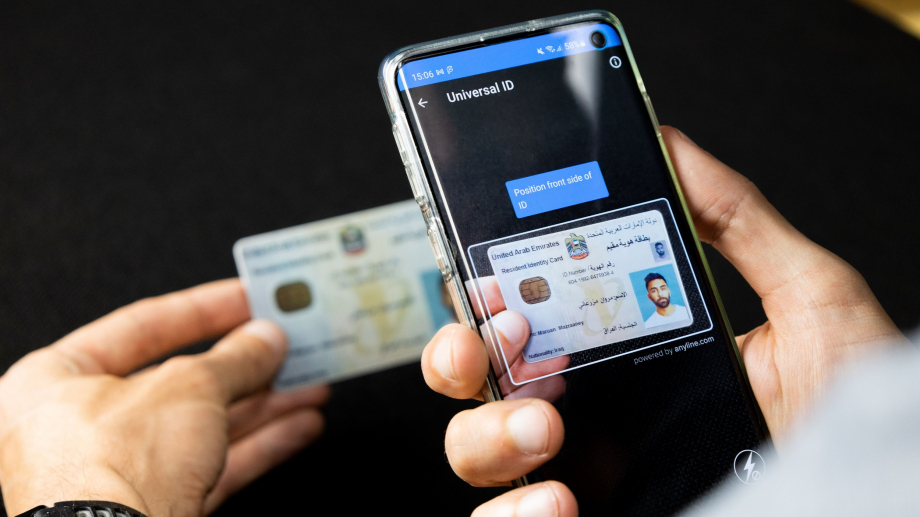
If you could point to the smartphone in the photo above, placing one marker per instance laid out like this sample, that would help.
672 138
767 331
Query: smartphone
536 158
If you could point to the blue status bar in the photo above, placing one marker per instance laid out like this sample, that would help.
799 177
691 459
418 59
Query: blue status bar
503 55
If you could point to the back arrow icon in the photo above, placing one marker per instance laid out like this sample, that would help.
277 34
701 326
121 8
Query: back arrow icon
422 103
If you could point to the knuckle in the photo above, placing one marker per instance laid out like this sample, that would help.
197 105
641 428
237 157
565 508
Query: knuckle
190 372
140 307
726 212
253 351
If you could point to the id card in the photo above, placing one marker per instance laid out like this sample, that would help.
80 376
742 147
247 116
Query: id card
355 294
608 279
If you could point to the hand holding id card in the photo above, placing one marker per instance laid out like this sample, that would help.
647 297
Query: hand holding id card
355 294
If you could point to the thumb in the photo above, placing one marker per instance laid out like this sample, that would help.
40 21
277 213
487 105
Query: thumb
247 359
734 216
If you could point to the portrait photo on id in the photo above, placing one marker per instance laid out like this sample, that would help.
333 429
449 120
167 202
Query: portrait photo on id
668 305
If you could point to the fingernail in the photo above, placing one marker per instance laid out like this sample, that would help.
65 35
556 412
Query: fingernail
443 359
268 332
529 428
538 503
685 137
511 326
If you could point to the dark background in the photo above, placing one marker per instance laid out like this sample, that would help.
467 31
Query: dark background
138 141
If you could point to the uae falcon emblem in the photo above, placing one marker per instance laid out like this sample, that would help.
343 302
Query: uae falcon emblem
578 248
353 242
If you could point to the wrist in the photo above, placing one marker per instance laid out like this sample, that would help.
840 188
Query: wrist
74 482
35 472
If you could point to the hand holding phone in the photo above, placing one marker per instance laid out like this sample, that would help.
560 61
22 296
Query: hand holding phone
535 157
789 359
539 165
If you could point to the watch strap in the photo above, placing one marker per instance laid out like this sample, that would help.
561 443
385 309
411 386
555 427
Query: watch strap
83 509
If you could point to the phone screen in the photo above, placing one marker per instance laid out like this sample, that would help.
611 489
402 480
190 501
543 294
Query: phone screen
558 203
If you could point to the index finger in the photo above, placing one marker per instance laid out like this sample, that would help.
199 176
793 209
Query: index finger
143 331
486 290
455 363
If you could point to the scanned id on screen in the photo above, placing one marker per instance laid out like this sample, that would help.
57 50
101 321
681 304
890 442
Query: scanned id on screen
620 280
355 294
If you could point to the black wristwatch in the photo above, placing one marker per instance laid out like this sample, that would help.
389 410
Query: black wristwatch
83 509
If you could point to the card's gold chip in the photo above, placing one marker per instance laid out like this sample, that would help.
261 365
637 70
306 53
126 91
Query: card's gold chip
534 290
293 297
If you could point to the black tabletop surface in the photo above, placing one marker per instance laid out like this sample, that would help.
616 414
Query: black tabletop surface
139 141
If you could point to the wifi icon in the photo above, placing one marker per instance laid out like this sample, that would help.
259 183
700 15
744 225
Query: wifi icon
550 48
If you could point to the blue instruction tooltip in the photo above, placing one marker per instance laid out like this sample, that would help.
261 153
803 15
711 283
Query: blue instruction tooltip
556 189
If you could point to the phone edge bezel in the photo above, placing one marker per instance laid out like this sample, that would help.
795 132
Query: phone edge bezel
423 194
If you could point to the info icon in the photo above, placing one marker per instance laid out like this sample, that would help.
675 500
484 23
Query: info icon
749 466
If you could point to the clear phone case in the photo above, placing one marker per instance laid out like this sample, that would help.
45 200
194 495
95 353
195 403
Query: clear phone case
411 153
